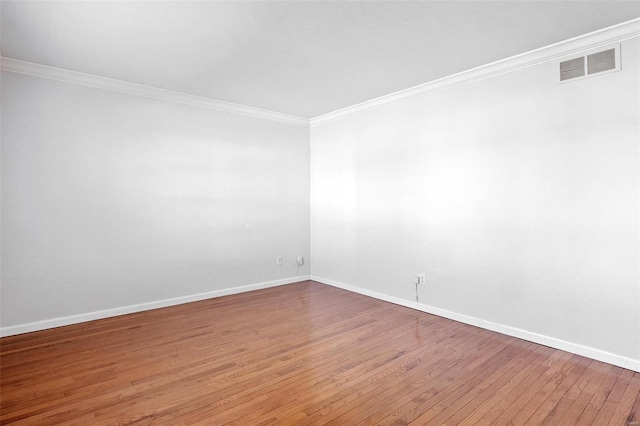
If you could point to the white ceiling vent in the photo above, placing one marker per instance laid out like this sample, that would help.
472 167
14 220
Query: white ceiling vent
573 68
601 61
589 64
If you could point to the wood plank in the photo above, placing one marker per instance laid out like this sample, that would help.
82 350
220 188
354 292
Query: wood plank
613 399
306 354
589 387
572 375
628 410
510 389
353 376
599 397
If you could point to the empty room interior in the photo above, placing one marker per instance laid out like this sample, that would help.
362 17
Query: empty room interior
320 212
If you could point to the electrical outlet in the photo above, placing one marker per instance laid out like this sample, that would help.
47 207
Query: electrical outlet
300 260
420 279
279 260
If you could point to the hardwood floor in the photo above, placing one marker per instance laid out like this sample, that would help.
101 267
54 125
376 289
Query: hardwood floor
301 354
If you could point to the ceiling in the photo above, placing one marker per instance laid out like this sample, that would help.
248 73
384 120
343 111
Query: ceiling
303 58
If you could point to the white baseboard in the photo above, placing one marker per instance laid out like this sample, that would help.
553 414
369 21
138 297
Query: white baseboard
586 351
130 309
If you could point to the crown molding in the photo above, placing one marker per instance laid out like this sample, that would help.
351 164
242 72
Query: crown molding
603 37
616 33
73 77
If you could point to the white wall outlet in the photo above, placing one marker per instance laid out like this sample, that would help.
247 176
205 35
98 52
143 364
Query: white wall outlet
420 279
279 260
300 260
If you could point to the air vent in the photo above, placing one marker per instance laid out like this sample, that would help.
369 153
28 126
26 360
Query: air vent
601 61
590 64
572 68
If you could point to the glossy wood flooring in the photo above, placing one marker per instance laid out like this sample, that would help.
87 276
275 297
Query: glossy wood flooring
301 354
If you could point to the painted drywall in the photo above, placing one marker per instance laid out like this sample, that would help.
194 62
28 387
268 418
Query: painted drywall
517 196
111 200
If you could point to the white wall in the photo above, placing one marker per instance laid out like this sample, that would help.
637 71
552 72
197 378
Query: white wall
110 199
516 195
